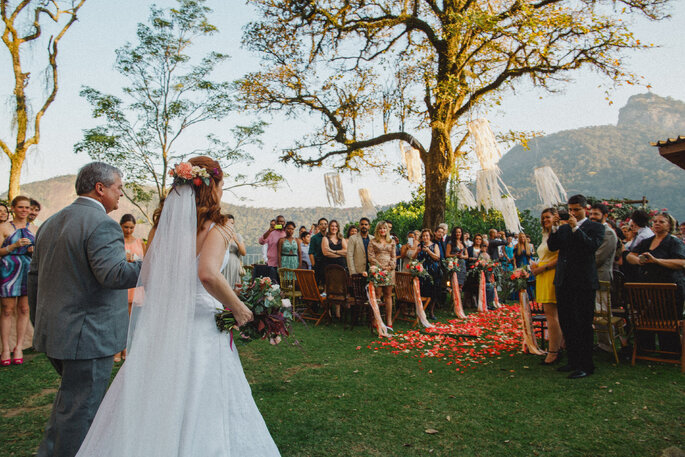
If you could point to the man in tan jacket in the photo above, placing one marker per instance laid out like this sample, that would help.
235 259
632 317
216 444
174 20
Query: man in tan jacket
357 248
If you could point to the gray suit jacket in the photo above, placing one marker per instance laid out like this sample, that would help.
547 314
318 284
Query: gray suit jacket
77 284
604 256
356 254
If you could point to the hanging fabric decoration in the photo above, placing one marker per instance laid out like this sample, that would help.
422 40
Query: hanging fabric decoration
529 342
420 313
334 189
491 192
456 297
549 187
465 199
378 324
368 208
412 162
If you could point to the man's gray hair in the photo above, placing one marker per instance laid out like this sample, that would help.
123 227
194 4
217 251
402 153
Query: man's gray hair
93 173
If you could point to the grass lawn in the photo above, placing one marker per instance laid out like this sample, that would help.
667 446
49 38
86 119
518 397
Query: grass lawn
325 397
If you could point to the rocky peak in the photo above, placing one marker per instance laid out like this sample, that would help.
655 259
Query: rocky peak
649 110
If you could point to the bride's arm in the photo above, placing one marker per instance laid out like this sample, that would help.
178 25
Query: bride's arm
209 272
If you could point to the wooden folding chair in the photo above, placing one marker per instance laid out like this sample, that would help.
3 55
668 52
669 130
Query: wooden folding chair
316 305
336 281
404 299
604 321
288 282
361 299
654 309
539 318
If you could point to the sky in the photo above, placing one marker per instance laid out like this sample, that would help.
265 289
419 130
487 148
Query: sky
87 57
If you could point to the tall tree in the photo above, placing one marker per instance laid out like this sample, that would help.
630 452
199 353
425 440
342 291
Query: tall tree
410 65
23 23
166 96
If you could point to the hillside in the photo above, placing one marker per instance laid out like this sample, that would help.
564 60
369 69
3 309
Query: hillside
608 161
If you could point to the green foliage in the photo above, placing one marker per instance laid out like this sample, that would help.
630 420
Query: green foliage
406 216
166 96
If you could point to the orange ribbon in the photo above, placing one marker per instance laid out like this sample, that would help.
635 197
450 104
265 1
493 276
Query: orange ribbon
378 321
456 297
529 342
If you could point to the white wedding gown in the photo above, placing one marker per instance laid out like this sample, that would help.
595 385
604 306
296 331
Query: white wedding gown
213 414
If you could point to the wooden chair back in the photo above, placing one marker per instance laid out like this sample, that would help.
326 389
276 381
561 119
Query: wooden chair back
289 284
317 307
404 298
654 306
336 280
654 309
359 283
604 321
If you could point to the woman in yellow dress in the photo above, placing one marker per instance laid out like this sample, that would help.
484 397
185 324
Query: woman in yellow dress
544 286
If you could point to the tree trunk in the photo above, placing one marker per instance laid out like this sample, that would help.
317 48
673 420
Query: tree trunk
438 167
15 174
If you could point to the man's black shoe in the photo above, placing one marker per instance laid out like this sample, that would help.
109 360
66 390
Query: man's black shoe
579 374
566 368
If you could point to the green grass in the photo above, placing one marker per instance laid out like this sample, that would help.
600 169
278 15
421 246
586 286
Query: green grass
327 398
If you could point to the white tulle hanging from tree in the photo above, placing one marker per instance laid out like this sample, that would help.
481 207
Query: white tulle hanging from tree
491 192
549 187
412 162
368 208
334 189
465 199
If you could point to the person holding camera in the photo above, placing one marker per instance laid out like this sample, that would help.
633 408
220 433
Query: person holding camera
15 258
576 282
270 238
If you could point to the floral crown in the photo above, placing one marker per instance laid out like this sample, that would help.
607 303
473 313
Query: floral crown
187 173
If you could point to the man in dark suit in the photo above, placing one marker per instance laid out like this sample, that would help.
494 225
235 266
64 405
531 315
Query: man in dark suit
576 283
77 297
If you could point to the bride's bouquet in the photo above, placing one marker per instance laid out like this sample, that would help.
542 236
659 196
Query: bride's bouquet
272 315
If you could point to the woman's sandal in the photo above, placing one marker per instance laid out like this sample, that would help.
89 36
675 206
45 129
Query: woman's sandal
556 360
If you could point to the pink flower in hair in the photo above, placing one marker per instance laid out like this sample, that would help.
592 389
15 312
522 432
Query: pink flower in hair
184 170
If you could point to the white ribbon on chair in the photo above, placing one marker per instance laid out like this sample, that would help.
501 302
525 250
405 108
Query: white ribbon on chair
482 297
420 313
529 342
456 297
378 321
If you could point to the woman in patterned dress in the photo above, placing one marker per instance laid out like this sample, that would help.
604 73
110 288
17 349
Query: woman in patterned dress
289 250
382 254
15 258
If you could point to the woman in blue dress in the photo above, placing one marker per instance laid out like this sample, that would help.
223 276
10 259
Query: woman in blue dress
429 254
15 258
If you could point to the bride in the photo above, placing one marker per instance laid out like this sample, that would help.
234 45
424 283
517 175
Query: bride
182 391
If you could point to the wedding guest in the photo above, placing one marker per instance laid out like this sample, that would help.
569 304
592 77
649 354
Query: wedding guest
270 239
457 248
305 238
477 250
545 293
522 251
681 235
4 213
265 247
351 230
135 250
358 248
661 259
382 254
408 249
289 250
576 282
509 261
16 250
640 225
429 254
237 250
494 243
444 230
604 258
467 240
302 229
315 253
628 234
438 238
35 210
334 246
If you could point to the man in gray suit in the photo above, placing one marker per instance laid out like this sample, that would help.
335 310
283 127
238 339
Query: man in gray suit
78 301
604 258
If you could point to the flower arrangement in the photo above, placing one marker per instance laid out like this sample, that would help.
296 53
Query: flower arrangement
417 270
451 265
519 278
272 317
486 266
378 277
187 173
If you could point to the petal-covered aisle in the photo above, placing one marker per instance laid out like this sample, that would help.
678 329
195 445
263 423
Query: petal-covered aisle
462 343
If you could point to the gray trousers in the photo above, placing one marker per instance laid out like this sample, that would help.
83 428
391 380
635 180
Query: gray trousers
84 383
